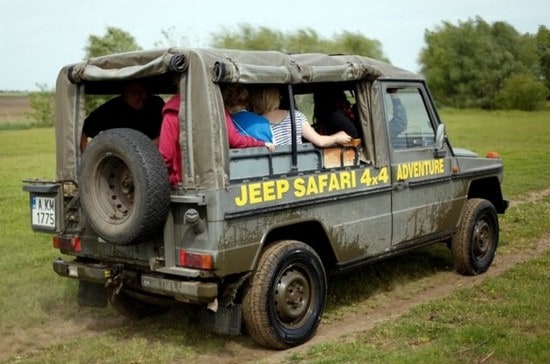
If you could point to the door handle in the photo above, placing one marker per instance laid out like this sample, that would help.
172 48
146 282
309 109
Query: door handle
401 185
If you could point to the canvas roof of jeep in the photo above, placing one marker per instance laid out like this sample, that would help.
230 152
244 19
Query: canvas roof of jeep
202 108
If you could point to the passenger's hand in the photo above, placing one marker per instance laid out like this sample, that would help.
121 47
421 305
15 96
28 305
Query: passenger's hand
342 137
270 146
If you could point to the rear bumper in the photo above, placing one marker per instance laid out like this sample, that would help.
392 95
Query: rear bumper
194 291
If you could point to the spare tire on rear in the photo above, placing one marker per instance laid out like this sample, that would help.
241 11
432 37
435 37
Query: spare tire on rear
123 186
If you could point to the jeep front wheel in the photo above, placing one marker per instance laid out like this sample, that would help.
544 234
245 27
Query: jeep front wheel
123 186
475 243
286 296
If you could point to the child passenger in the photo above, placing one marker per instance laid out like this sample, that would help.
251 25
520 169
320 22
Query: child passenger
266 101
236 99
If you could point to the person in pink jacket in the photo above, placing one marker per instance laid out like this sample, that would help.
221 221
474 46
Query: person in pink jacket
169 145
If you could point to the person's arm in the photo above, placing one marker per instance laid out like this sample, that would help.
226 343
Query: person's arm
169 135
323 140
88 130
398 122
237 140
83 142
157 105
168 141
317 139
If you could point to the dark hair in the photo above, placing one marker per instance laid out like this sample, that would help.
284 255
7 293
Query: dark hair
233 95
326 101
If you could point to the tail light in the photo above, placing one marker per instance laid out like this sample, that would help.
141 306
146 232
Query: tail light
195 260
69 243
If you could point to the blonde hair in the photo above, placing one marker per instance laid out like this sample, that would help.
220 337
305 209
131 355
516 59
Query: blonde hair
265 99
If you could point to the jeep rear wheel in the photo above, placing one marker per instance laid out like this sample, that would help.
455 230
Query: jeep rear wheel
123 186
286 296
475 243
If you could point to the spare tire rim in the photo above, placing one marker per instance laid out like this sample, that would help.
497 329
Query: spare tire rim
114 186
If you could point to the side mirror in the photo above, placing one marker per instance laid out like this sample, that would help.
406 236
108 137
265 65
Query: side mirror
440 137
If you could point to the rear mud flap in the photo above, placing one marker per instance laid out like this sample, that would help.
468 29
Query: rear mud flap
227 320
92 294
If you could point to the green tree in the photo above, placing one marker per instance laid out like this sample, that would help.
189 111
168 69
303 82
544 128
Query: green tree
467 64
115 40
356 43
523 92
300 41
41 103
543 47
248 37
304 41
170 39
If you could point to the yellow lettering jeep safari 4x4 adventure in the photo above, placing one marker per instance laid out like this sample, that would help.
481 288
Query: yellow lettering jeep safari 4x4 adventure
250 235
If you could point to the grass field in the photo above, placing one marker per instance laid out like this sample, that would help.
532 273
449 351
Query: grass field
493 321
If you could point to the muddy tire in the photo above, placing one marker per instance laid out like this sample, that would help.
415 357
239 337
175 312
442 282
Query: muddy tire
474 244
286 296
123 186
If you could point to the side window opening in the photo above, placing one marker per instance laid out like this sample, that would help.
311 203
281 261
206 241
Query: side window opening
335 110
409 124
131 103
302 155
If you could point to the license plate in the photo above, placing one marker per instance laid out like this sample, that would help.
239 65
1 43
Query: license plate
43 212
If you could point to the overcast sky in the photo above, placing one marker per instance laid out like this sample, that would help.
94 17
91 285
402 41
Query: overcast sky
38 37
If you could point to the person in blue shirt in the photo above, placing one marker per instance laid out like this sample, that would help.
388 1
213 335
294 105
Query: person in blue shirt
247 122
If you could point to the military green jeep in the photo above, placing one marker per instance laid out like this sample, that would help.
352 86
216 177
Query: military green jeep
251 235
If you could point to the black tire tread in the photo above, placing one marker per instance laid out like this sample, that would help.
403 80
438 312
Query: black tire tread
255 306
461 244
255 316
138 150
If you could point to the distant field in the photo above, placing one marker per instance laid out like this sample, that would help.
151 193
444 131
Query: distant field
14 108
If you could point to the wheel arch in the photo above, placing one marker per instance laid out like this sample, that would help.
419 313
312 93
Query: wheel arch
310 232
489 189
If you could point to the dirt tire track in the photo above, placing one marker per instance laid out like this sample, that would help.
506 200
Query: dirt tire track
366 318
24 343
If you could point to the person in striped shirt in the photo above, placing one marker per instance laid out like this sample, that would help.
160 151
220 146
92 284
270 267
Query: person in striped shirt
266 101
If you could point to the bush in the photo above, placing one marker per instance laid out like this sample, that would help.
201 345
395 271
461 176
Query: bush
523 92
42 106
